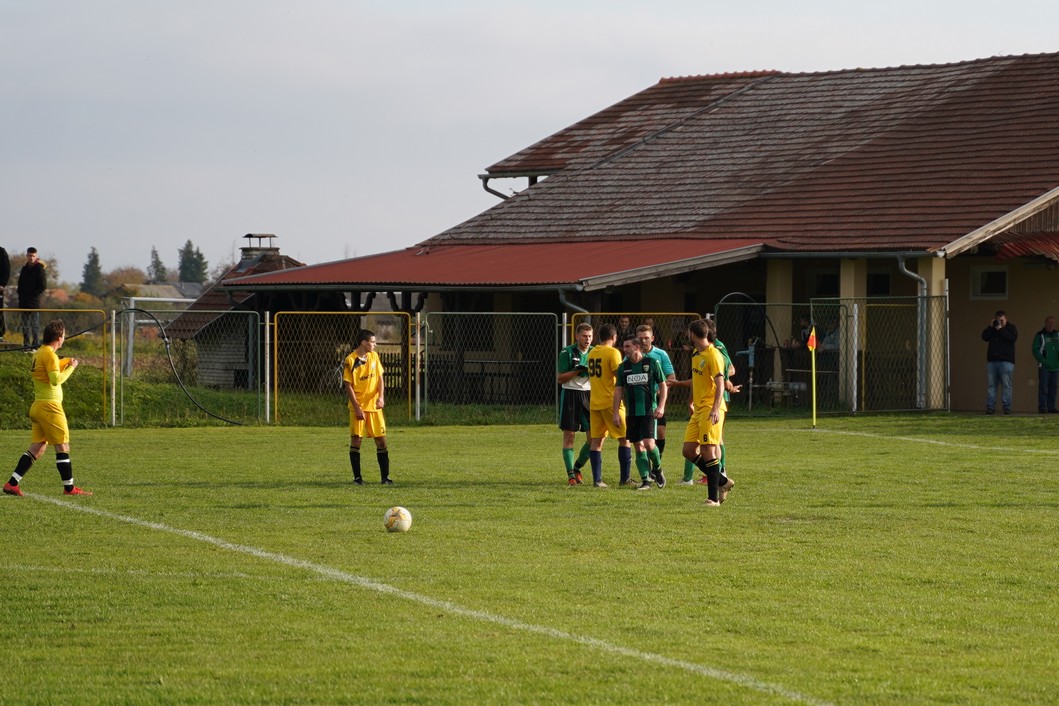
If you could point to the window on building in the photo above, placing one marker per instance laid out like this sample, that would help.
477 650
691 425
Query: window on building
823 284
989 283
878 284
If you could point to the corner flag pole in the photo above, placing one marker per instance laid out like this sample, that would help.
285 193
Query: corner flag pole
811 344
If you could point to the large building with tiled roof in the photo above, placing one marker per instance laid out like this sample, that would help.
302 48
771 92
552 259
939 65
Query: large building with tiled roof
786 186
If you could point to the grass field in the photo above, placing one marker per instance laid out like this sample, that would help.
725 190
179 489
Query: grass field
871 561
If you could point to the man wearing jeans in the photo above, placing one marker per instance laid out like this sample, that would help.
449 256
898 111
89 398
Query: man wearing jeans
32 283
1001 335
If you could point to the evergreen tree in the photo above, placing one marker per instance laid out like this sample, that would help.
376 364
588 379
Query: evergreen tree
156 271
193 266
92 277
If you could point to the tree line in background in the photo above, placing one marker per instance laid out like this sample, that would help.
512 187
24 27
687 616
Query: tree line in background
99 288
192 268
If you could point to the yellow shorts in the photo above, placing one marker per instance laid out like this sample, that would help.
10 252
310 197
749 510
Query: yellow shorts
373 424
601 423
701 431
49 423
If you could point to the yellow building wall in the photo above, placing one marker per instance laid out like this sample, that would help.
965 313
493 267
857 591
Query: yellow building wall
1033 293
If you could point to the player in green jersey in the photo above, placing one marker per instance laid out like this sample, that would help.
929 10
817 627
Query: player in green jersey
641 385
645 332
572 370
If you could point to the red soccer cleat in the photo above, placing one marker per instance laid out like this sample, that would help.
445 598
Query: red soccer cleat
13 490
75 491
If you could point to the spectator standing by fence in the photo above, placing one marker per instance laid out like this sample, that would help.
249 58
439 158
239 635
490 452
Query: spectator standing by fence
32 283
5 277
362 380
1001 335
1046 352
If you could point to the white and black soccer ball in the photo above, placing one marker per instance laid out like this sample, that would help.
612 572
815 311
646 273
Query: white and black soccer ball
397 519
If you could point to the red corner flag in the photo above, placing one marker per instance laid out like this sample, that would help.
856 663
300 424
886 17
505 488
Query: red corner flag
811 343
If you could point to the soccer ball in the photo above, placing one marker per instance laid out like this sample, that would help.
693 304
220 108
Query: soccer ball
397 519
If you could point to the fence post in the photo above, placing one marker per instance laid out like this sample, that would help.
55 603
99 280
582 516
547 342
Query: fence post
268 373
948 352
113 368
418 363
855 347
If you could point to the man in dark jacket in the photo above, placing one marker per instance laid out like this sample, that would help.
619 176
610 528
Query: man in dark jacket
31 286
1000 334
1046 352
5 277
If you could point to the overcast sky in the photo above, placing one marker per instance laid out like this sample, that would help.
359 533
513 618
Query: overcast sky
348 128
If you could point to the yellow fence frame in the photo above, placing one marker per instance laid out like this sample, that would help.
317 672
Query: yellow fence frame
406 347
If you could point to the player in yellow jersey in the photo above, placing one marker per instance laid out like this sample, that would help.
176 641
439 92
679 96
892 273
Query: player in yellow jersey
365 391
603 362
703 436
48 420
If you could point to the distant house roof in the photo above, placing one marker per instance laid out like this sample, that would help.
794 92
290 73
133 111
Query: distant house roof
214 299
165 290
921 159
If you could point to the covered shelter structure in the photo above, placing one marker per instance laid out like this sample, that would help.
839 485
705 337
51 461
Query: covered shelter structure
913 181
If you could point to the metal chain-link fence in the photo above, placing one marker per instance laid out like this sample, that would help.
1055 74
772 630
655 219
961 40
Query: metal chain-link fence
487 358
877 354
188 367
309 348
905 355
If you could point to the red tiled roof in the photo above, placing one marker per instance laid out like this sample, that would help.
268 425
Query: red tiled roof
588 265
907 158
625 124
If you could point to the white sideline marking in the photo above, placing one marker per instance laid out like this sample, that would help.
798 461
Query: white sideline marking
452 608
935 442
